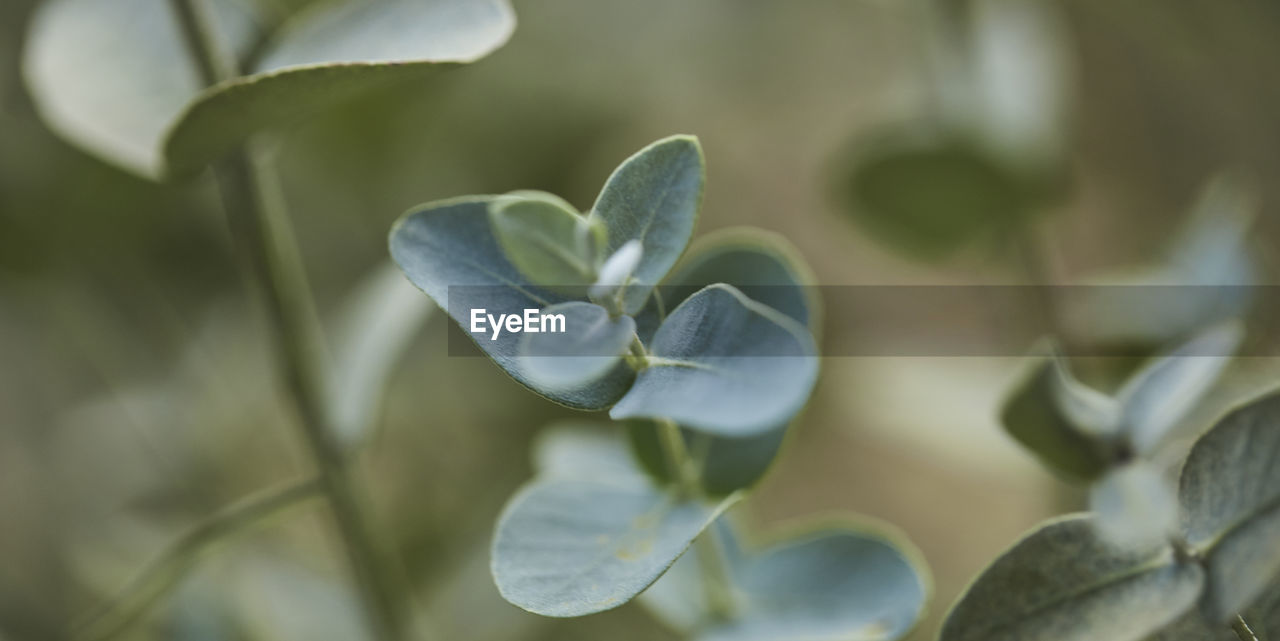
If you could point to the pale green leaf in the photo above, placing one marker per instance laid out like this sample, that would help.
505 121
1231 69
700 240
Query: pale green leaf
116 78
369 336
1230 495
548 241
724 364
653 197
1160 395
1135 505
613 288
588 347
837 580
447 249
331 53
1064 583
111 76
567 547
1204 276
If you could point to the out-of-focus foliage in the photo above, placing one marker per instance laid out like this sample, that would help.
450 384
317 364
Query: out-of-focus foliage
117 78
988 154
1069 580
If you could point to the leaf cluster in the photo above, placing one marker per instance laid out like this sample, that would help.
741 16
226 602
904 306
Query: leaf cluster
701 361
1064 580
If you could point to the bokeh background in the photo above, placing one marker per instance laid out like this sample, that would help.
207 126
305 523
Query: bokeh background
137 395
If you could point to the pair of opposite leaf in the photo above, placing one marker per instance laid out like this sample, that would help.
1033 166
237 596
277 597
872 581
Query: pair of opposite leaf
116 78
1108 441
1064 582
718 361
594 529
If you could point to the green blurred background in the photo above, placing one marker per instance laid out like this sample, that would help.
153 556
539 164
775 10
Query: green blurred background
136 394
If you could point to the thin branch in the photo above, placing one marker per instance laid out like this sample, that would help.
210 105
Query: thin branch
180 557
1242 629
715 576
265 242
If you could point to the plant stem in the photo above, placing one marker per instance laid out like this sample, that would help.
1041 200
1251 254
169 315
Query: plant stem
141 592
1041 281
715 576
1242 629
264 239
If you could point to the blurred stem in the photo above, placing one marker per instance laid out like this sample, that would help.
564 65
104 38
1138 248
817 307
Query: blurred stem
715 576
157 578
264 239
1242 629
1041 283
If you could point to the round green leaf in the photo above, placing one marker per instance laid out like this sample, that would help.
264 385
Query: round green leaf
837 581
589 348
1230 495
724 364
1064 423
1064 583
549 242
447 248
653 197
929 195
567 548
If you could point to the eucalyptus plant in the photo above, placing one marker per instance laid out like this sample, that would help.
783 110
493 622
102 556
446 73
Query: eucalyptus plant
702 362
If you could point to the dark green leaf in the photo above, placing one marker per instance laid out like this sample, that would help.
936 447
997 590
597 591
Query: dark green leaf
724 364
1062 422
568 548
728 464
1063 583
653 197
932 194
761 264
447 249
1230 495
